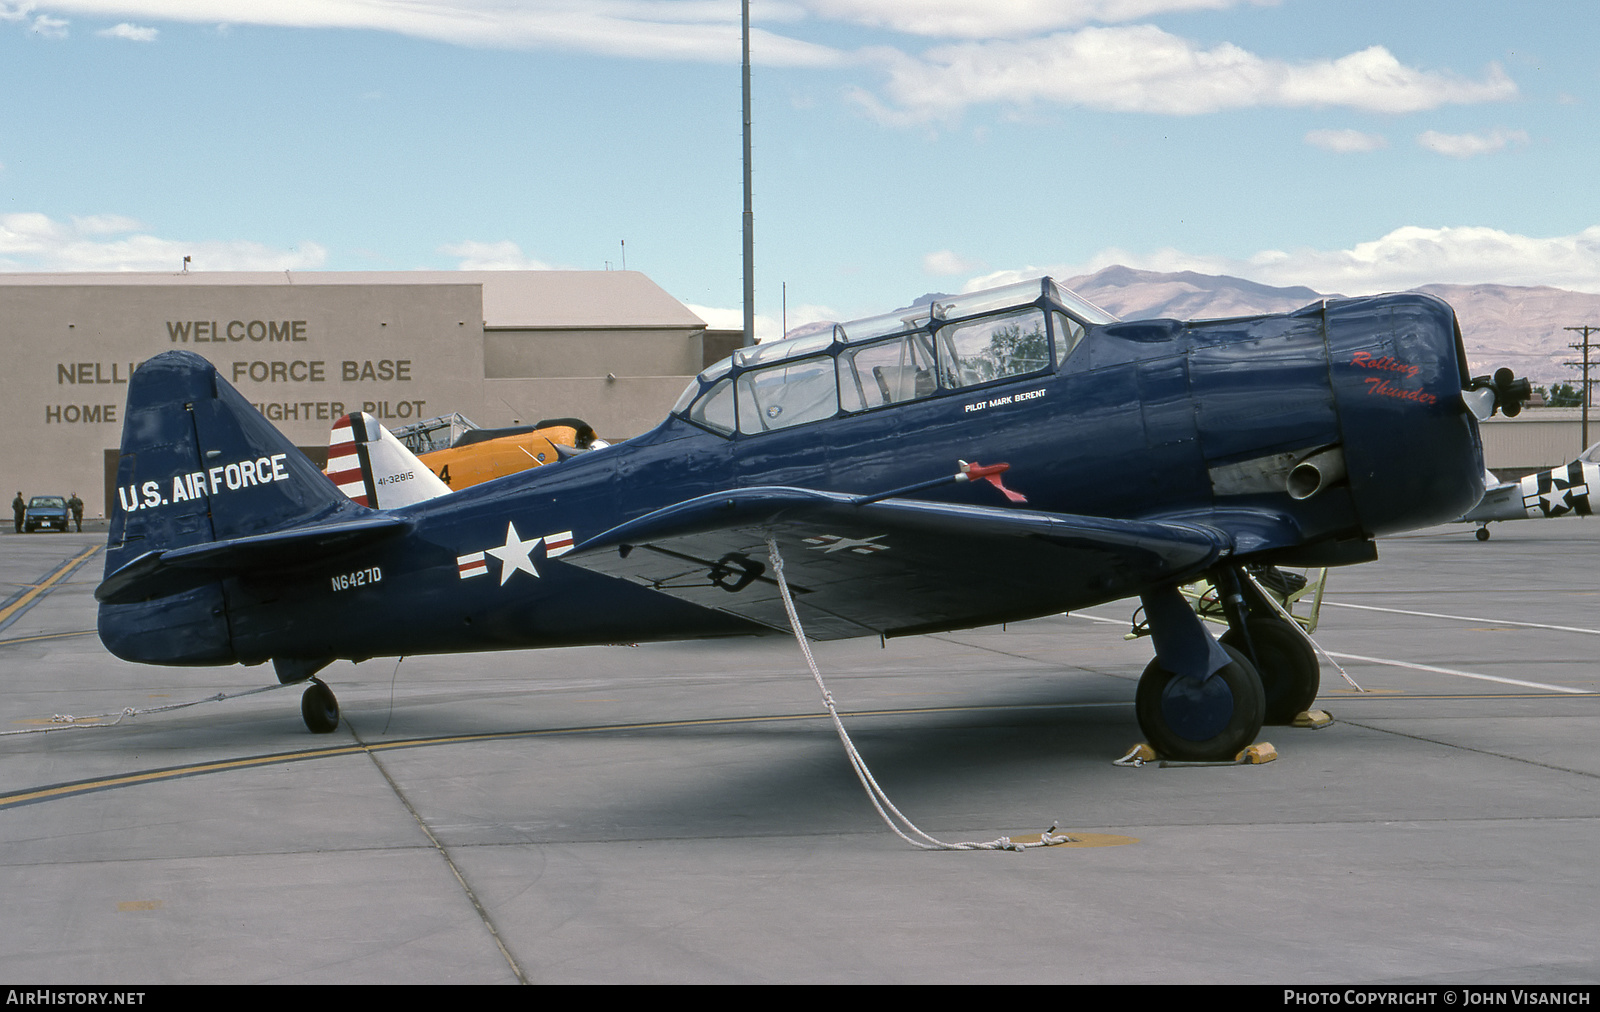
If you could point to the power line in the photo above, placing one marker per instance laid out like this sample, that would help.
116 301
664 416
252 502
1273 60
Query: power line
1586 329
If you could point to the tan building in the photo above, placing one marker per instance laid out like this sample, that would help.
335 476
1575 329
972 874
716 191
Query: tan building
501 347
1536 440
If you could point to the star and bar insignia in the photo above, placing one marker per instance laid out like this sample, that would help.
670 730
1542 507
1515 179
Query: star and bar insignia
516 555
830 543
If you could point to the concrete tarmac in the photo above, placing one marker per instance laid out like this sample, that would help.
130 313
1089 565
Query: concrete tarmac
680 812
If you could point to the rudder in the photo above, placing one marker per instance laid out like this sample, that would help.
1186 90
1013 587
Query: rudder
375 469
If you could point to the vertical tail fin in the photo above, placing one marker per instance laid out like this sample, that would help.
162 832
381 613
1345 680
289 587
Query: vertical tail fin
198 464
374 468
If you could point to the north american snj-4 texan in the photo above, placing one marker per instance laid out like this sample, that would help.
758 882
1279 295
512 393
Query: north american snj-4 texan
1565 491
1142 455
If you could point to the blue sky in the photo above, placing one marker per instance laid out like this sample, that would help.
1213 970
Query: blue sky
900 147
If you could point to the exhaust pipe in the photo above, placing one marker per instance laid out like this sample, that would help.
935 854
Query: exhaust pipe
1316 473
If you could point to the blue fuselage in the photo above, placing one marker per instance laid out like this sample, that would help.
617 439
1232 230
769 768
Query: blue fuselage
1144 420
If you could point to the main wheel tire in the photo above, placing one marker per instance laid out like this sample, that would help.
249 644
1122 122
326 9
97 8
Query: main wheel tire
1290 672
1209 721
320 709
1483 534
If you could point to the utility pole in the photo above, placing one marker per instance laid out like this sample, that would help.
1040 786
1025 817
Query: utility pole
1584 347
749 209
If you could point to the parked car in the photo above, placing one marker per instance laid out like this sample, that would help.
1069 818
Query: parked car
46 511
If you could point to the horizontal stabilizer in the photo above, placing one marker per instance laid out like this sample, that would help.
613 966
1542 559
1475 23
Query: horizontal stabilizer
161 572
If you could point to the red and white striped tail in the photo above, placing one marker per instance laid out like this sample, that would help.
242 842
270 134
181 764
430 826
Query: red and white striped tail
375 469
346 445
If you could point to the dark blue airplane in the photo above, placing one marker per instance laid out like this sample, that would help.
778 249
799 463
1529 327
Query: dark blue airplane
1150 454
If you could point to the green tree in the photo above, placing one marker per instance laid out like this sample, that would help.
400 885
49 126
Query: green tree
1562 395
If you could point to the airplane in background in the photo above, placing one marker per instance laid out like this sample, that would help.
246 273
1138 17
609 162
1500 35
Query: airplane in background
1559 492
463 454
375 467
1142 455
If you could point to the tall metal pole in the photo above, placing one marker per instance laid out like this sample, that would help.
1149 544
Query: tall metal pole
749 208
1585 346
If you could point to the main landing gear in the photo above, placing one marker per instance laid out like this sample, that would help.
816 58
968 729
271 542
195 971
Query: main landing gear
1201 700
318 706
1290 672
1200 720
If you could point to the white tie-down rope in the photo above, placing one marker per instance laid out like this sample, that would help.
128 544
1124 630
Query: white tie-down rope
69 722
886 809
1302 631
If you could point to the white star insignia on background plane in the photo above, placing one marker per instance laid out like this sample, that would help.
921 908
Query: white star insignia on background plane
513 555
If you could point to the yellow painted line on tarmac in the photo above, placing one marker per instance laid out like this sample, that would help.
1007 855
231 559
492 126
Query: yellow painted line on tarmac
76 787
169 773
47 636
44 585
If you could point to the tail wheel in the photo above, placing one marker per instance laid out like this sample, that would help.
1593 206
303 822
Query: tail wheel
1201 721
319 708
1290 672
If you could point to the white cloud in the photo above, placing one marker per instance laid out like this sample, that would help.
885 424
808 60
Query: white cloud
701 30
131 32
1405 258
945 263
43 24
1345 141
1137 68
1144 69
768 328
504 255
36 242
104 224
989 19
1469 145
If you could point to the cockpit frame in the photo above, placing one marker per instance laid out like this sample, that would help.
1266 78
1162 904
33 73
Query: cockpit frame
932 350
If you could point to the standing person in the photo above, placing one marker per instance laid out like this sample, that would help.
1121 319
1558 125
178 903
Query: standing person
76 506
18 507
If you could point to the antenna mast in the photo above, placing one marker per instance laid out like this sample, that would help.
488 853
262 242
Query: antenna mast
749 212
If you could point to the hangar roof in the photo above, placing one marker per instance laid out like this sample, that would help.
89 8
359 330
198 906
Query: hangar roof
511 299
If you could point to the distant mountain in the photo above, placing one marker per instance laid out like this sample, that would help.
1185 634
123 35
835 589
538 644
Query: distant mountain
1148 295
1524 328
1502 325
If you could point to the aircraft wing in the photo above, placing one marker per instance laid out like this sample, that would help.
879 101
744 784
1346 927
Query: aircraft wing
894 567
1501 501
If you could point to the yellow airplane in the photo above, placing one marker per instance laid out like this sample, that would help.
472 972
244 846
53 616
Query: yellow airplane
462 454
